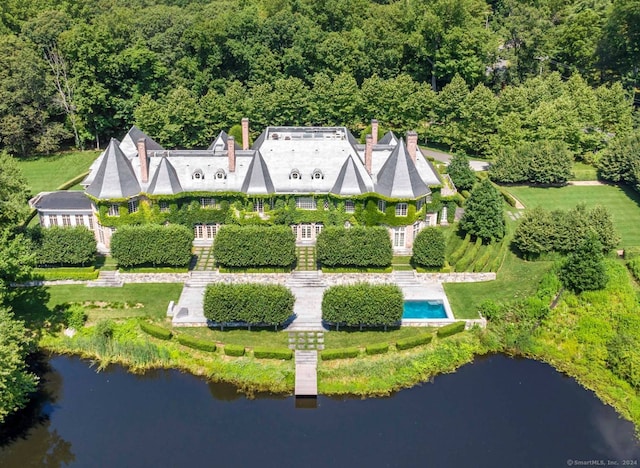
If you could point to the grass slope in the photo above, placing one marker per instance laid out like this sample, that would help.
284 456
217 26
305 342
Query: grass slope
46 173
622 201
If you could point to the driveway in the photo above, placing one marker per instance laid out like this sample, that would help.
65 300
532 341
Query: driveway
443 157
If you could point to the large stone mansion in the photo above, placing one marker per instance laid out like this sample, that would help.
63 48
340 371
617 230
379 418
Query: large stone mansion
305 177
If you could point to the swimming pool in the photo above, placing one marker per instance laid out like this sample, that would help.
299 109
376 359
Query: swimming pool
424 310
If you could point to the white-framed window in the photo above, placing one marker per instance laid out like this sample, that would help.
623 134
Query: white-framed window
132 205
101 235
211 230
306 232
259 205
198 231
318 228
401 209
305 203
66 221
197 174
114 209
164 206
53 220
416 229
382 205
295 174
90 220
420 204
208 202
398 237
79 220
220 174
349 206
317 174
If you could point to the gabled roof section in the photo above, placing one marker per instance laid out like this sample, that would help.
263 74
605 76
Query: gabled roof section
165 180
220 143
349 181
258 143
388 139
115 177
129 145
258 179
354 142
399 178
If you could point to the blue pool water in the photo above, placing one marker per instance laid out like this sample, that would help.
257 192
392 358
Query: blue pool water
424 310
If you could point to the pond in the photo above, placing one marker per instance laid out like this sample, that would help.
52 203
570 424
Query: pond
497 412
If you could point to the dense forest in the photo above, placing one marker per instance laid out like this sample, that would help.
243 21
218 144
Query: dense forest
473 75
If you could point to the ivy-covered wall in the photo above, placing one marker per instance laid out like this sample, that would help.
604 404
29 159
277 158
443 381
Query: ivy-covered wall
238 208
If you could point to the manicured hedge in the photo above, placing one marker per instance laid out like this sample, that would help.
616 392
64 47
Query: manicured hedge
450 329
268 304
70 246
429 247
254 247
412 342
631 253
339 353
196 343
354 247
379 348
265 353
152 244
66 273
233 350
156 331
363 304
634 267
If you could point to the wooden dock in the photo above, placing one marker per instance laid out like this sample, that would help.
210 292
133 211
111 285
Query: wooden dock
306 374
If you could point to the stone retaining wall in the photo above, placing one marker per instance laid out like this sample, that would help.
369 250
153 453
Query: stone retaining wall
457 277
153 277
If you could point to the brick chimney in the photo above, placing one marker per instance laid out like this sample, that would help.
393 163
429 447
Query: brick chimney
231 153
368 153
412 144
245 133
144 163
374 131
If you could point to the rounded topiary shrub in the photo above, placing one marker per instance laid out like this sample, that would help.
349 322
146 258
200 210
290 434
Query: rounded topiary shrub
429 248
363 304
152 244
254 246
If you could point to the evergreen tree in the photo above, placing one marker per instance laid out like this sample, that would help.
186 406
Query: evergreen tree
584 269
483 215
461 173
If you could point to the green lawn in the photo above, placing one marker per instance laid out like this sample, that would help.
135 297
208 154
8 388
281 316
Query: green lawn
49 172
582 171
623 202
516 279
348 339
243 337
131 300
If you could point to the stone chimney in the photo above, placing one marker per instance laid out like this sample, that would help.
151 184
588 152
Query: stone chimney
245 133
144 163
368 153
374 131
231 153
412 144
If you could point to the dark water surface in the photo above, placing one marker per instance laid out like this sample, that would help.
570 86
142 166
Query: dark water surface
497 412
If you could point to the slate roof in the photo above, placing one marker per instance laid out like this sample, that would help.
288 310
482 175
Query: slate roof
114 178
129 145
220 143
388 139
258 180
399 177
165 180
72 200
349 181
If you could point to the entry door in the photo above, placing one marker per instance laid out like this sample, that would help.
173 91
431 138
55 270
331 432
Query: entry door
398 237
211 231
199 231
306 232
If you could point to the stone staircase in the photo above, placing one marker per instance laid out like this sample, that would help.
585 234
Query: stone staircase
405 278
107 279
200 279
306 341
306 279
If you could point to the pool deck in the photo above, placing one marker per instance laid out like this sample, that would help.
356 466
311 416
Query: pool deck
427 291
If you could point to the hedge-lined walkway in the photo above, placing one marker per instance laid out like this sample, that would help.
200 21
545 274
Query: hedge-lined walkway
306 258
205 260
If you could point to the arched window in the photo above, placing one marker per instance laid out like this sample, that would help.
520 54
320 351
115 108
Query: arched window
197 174
295 174
220 174
317 174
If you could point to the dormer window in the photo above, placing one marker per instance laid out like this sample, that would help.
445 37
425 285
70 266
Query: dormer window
220 174
295 174
197 174
349 206
317 174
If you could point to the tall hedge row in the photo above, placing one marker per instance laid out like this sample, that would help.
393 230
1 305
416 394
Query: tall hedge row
354 247
267 304
254 246
363 304
71 246
429 247
152 244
